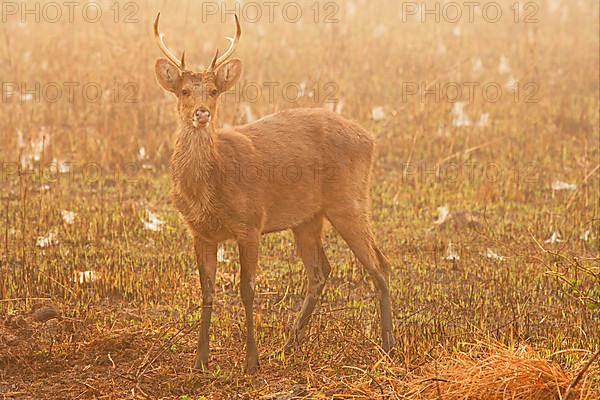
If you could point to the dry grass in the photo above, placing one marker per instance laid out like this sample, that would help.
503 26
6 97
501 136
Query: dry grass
510 288
490 371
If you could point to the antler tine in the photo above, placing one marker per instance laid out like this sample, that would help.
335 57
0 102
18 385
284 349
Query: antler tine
233 44
214 61
161 43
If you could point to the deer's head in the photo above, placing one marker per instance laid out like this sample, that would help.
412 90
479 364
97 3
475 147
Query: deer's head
197 92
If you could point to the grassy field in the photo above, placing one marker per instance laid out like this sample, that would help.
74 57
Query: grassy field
486 202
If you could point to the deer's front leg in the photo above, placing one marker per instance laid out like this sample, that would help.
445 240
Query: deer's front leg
248 248
206 256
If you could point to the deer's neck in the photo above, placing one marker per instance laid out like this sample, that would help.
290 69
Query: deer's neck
192 166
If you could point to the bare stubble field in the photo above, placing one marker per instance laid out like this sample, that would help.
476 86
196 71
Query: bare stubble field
486 205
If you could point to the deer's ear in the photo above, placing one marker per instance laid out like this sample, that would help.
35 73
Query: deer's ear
167 75
228 74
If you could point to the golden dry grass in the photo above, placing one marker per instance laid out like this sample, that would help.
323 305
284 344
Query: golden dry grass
489 371
512 287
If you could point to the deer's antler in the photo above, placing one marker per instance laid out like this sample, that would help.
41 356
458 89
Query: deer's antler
161 43
218 61
214 61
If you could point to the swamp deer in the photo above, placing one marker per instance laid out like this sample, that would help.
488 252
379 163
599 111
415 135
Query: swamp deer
307 165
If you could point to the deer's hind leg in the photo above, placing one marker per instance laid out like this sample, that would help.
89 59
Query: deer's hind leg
310 247
355 228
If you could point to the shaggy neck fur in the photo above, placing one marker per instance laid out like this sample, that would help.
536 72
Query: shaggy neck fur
193 163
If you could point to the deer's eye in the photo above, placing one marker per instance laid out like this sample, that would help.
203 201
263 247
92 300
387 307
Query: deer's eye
214 92
185 92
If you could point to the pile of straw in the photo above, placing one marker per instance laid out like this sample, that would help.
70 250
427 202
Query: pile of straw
506 374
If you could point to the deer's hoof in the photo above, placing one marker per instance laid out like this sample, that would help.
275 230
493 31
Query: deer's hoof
201 364
252 370
251 366
296 339
389 345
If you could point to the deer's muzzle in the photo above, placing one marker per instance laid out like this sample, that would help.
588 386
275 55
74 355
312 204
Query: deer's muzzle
201 117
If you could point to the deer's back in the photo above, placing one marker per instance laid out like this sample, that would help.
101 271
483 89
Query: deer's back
288 166
303 136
